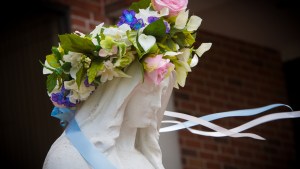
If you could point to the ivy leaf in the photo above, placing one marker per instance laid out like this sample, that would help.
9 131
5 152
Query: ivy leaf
132 37
80 75
97 65
51 82
142 4
66 66
56 53
157 29
52 61
75 43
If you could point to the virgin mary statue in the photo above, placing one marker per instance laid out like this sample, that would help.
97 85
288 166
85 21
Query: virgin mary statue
122 120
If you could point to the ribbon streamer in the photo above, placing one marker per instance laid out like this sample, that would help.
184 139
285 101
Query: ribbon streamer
215 116
221 132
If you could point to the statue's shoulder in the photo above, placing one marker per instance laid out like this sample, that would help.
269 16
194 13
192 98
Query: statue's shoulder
63 154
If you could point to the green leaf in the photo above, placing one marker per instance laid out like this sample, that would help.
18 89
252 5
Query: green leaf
51 82
52 61
157 29
179 38
56 53
97 65
75 43
132 37
190 40
66 66
171 44
80 75
122 49
142 4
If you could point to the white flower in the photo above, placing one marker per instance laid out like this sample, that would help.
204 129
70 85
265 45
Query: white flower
185 54
117 33
78 94
203 48
182 19
97 30
80 34
108 73
106 52
75 60
164 12
194 23
172 53
194 61
144 14
45 70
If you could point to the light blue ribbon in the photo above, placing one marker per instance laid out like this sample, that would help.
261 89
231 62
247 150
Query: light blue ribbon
235 113
63 114
87 150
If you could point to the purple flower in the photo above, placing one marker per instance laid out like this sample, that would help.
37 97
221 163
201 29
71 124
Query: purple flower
167 27
128 17
152 19
87 84
61 98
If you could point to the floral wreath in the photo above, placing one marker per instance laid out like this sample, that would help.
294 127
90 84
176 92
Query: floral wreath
158 34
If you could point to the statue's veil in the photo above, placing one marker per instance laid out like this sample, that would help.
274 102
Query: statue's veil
103 112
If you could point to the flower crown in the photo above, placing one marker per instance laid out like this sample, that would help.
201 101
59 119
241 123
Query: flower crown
158 34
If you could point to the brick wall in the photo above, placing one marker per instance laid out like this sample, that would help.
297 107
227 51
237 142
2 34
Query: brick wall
85 14
232 75
235 75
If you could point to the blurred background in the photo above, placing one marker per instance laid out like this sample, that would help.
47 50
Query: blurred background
254 61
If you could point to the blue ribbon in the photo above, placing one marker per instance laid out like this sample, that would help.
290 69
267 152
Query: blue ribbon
235 113
63 114
87 150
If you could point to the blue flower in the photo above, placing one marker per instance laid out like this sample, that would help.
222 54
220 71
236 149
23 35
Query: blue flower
137 25
128 17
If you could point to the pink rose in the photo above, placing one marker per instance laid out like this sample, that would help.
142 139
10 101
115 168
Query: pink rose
174 6
157 68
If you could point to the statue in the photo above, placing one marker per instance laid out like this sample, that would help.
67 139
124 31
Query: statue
122 119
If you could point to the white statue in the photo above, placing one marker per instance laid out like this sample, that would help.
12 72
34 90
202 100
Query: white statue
122 119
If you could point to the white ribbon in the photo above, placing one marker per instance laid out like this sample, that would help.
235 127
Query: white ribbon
220 131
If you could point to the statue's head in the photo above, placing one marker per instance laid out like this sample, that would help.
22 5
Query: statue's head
146 102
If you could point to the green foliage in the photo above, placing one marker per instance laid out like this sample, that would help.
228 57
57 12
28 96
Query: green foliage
190 39
80 75
52 61
132 37
66 66
56 53
51 82
142 4
75 43
156 29
122 49
97 65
